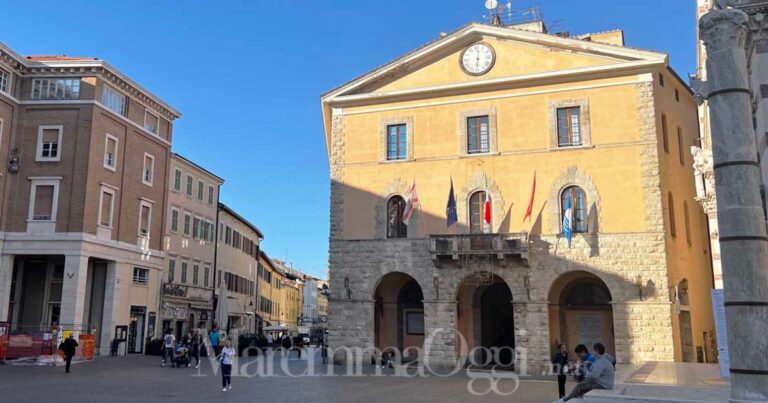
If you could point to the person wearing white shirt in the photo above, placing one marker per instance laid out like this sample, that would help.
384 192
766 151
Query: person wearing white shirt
226 358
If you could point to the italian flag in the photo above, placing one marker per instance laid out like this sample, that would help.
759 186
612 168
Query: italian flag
487 207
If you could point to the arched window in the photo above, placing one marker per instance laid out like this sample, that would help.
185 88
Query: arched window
671 206
477 224
578 206
687 223
395 226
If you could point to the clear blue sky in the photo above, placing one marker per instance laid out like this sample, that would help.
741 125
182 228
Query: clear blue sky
247 75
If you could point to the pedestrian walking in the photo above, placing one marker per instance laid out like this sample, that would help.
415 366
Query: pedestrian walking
226 358
197 344
214 337
169 341
299 343
560 368
286 344
68 347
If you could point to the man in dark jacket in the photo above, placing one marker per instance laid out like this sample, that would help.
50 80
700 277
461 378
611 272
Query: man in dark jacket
68 347
560 368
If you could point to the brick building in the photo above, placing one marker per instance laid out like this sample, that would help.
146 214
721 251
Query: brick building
82 197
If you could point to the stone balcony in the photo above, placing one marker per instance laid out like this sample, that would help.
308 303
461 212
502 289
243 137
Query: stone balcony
466 248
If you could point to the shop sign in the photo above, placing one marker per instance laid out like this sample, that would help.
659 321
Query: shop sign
174 290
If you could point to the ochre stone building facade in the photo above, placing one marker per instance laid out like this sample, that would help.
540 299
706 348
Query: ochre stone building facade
601 125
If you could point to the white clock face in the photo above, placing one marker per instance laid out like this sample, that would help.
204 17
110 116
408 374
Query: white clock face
477 59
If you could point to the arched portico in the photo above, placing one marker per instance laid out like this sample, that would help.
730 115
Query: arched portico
399 315
580 311
485 318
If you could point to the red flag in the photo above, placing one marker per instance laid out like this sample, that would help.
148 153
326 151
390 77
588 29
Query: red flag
530 203
487 212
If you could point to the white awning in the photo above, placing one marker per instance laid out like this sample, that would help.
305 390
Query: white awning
234 308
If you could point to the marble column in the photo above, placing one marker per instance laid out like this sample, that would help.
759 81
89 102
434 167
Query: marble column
73 292
743 240
6 276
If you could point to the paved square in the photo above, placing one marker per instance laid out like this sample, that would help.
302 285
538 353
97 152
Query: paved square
142 379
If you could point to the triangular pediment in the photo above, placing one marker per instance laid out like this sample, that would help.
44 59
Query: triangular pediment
518 53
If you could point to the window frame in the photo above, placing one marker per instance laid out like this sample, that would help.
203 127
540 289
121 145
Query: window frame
111 191
6 80
401 229
671 214
39 152
398 141
151 179
177 175
113 166
211 193
44 181
569 116
187 225
190 186
687 218
138 278
145 203
64 81
171 269
665 133
479 134
200 190
195 274
184 266
680 151
584 221
485 228
157 128
105 89
177 212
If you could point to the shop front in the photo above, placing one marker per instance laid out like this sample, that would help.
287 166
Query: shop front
185 308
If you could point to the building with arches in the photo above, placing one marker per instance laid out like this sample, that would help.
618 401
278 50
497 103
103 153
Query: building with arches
483 110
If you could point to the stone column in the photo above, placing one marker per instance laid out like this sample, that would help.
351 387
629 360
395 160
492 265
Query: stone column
6 276
743 241
111 316
73 291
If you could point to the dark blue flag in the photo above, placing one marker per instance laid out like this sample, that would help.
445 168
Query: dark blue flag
450 209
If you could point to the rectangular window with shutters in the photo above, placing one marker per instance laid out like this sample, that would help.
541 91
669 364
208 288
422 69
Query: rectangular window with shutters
174 219
49 143
190 181
206 276
149 169
184 272
210 195
44 206
5 81
187 224
200 190
171 270
396 142
569 127
177 180
145 218
151 122
110 152
113 100
195 274
52 88
105 207
478 135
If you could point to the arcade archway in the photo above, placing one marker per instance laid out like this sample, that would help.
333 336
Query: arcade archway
485 318
580 312
399 315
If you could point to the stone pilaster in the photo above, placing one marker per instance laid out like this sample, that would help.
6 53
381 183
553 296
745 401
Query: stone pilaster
73 291
743 240
6 275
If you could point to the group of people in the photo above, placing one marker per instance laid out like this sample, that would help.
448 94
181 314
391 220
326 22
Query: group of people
178 353
591 371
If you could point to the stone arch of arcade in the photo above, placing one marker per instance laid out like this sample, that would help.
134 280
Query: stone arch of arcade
398 312
485 319
581 311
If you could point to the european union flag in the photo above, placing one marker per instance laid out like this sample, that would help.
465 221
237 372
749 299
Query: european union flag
450 209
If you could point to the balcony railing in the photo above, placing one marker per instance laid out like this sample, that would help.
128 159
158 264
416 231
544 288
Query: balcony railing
457 248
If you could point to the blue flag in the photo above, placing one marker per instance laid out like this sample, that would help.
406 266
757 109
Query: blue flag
568 220
450 209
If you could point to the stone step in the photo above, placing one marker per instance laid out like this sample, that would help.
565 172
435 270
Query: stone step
658 394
